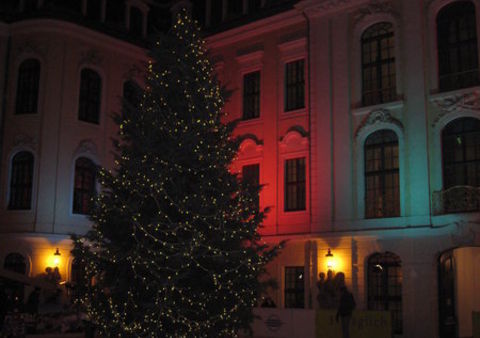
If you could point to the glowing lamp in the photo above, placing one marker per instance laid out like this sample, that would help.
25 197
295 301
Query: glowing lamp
56 257
330 260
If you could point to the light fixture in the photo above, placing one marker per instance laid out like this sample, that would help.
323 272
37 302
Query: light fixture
56 257
330 260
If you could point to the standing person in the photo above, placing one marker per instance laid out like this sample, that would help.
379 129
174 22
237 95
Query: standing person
345 310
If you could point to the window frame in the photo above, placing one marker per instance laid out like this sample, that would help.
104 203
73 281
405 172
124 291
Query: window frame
298 183
382 174
35 92
445 47
385 298
295 85
10 178
84 192
377 65
299 293
253 94
89 116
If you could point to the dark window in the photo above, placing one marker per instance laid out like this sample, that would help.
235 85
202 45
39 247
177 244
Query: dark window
132 95
94 10
461 153
84 186
385 286
254 5
15 262
457 46
27 87
251 174
378 64
30 5
294 287
21 181
217 8
381 175
295 85
115 13
295 184
235 8
251 95
73 6
136 21
90 96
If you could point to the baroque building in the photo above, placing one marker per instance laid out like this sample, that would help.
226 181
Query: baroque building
360 119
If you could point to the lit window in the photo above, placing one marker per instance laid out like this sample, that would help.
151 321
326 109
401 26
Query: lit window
21 181
378 64
461 153
295 184
381 175
294 287
457 46
90 96
27 87
295 85
251 95
385 286
84 186
251 174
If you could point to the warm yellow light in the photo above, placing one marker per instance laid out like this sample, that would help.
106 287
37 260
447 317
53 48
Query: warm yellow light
54 260
331 262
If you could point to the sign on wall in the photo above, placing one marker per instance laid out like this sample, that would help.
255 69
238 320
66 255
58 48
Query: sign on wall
371 324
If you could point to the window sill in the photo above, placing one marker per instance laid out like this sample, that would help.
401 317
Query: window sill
387 105
250 122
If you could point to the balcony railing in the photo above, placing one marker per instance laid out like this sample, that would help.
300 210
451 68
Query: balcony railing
460 198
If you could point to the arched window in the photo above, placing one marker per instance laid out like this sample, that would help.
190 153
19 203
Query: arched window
378 64
27 87
457 46
385 286
84 186
382 193
90 96
136 21
132 95
461 153
15 262
21 181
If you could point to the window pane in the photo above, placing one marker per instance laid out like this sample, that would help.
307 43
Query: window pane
27 87
294 287
294 85
84 186
90 96
21 181
251 95
295 191
251 174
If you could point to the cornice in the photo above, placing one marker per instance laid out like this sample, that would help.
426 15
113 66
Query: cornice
70 30
317 8
272 23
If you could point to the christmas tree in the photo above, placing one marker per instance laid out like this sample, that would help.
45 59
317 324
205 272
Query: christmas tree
174 249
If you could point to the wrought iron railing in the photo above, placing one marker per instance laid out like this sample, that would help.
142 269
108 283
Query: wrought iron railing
460 198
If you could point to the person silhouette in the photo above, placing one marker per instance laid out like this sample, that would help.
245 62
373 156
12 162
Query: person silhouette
345 310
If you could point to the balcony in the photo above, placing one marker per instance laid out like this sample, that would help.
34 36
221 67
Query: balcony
460 198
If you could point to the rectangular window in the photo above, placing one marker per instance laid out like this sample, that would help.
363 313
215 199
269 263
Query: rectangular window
295 85
294 287
251 95
251 174
295 191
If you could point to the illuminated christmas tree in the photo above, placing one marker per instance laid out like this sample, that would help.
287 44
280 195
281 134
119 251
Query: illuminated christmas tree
174 249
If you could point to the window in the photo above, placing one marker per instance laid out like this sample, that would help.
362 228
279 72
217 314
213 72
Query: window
251 174
461 153
115 13
457 46
235 8
295 184
90 94
94 9
378 64
15 262
21 181
132 95
29 5
254 5
84 186
385 286
27 87
136 21
294 287
381 175
251 95
294 85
